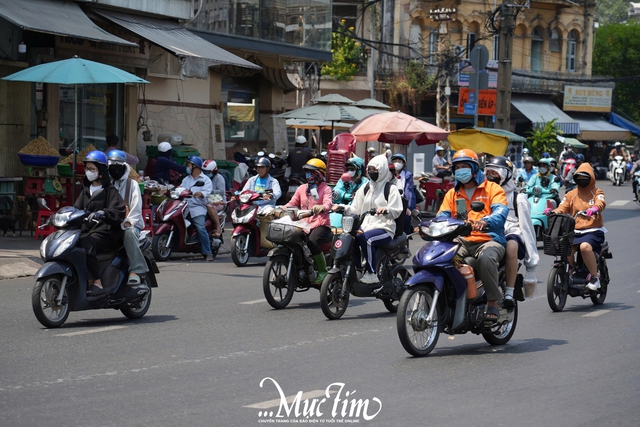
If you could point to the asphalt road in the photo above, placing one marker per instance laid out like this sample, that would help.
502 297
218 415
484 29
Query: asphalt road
212 352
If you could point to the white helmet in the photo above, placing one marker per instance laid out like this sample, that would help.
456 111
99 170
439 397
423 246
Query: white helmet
163 147
617 144
210 166
300 139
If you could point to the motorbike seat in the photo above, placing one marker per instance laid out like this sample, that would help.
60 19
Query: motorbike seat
604 247
395 242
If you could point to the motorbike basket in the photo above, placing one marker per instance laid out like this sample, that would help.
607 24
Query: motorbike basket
558 237
280 233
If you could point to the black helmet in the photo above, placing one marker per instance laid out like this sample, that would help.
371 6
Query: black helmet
263 161
501 162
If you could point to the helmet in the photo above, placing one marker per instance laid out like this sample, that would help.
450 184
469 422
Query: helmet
501 162
117 156
316 165
466 156
163 147
96 156
399 156
439 148
263 161
553 161
527 159
545 155
525 151
210 166
356 162
617 144
545 161
195 160
300 139
579 157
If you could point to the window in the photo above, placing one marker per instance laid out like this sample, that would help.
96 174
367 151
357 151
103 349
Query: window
241 109
471 42
554 43
416 42
571 51
536 50
433 46
496 47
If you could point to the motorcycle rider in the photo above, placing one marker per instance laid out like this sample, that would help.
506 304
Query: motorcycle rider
634 183
344 192
165 164
197 204
528 171
299 156
543 179
315 195
406 184
133 223
619 150
487 246
439 165
570 184
519 231
380 228
567 153
102 231
589 230
553 164
262 182
218 187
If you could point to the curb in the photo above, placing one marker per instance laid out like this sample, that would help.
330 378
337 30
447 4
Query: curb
18 267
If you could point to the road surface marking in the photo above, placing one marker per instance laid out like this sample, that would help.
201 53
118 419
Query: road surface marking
619 203
596 313
276 402
255 301
91 331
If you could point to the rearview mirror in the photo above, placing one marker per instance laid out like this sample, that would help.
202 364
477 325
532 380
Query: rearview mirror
477 206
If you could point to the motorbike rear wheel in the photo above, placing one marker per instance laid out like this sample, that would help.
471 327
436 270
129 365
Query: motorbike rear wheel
598 299
418 336
557 289
333 304
277 290
47 311
399 277
503 334
159 248
238 254
139 308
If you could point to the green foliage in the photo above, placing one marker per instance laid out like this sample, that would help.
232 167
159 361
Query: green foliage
347 56
543 139
611 11
617 54
410 86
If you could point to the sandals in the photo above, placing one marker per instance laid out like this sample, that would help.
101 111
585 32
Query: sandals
134 279
491 315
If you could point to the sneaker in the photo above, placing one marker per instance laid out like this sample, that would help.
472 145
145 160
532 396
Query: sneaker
508 301
370 278
208 258
594 286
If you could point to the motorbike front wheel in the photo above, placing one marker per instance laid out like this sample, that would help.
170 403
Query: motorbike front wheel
277 289
557 289
160 247
503 334
239 256
418 335
137 309
332 302
43 300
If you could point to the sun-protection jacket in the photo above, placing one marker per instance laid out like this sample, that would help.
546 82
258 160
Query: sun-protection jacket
581 199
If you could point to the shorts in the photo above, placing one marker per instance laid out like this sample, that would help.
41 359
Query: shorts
594 238
521 248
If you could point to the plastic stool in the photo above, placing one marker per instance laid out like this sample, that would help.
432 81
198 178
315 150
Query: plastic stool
42 218
147 217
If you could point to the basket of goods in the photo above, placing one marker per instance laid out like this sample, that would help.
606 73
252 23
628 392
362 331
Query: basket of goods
39 153
65 165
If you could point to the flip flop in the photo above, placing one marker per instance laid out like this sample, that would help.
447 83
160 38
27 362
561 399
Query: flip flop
491 315
134 279
95 291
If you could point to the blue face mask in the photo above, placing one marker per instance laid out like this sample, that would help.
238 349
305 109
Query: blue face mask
308 176
463 175
188 170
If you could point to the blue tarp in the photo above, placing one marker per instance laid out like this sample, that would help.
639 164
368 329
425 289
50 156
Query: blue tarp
624 123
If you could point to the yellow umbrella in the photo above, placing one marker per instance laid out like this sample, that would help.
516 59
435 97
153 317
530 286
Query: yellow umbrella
483 140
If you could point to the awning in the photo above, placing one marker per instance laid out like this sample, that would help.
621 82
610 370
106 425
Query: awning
279 78
595 128
62 18
624 123
541 111
197 53
572 142
483 140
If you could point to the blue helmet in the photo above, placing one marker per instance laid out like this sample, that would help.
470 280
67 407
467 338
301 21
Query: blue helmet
117 156
579 157
263 161
195 160
97 157
399 156
545 155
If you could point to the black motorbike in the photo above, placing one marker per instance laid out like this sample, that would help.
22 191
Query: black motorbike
342 280
61 283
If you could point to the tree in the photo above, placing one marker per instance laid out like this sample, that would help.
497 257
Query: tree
543 139
611 11
347 55
409 87
617 54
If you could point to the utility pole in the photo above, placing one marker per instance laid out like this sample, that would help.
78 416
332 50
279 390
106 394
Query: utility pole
505 59
442 15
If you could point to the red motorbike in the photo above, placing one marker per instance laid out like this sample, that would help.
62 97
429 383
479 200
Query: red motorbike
246 237
175 231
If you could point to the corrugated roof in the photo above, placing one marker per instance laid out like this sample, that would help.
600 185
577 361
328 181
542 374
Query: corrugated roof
541 111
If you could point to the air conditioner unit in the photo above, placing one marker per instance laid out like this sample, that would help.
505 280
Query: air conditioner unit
459 51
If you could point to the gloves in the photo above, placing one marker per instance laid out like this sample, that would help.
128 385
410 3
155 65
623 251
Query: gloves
547 211
317 209
95 216
592 211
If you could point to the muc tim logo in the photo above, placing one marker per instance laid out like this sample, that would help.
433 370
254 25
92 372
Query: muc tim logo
336 405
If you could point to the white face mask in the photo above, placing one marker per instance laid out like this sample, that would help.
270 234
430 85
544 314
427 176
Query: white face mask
352 173
398 166
91 176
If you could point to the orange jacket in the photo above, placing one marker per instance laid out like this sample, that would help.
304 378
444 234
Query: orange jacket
581 199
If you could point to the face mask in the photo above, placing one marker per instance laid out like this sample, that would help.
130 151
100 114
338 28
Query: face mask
399 166
569 149
543 170
209 175
374 176
583 182
308 176
463 175
117 171
91 176
188 170
352 173
493 178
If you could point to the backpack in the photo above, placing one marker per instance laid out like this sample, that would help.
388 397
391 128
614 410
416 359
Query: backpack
558 237
402 217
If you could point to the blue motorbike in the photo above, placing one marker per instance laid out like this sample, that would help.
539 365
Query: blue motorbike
540 198
437 297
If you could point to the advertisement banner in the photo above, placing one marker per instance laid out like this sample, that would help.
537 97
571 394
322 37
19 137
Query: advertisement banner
584 98
486 101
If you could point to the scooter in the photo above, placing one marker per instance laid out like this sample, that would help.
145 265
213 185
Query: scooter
61 283
175 232
246 236
617 170
636 178
439 297
290 267
342 280
541 198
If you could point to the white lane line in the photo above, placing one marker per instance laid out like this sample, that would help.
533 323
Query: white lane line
91 331
619 202
255 301
596 313
276 402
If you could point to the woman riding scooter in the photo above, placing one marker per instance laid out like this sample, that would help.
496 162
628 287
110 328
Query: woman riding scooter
344 192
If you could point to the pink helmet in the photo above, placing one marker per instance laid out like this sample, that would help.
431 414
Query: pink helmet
210 166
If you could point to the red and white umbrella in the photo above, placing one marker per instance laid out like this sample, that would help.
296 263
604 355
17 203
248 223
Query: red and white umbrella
397 128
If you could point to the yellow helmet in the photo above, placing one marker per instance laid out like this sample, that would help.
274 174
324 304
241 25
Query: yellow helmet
316 165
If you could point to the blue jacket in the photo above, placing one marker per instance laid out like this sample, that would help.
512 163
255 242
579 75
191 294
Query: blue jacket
165 164
408 188
535 181
343 193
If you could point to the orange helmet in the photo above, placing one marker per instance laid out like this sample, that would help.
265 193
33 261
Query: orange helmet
316 165
466 156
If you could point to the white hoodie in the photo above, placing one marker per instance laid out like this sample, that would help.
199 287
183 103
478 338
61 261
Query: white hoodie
135 200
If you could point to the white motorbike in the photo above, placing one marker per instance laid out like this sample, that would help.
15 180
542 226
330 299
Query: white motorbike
617 168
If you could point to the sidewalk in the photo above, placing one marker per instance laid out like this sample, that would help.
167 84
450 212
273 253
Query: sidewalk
19 256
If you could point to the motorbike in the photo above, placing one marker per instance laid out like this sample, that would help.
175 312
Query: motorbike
278 172
175 232
541 198
636 178
617 170
438 299
246 236
62 283
433 189
562 280
290 267
342 280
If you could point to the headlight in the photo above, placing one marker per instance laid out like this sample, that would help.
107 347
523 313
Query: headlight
244 198
60 219
437 229
347 224
537 190
63 246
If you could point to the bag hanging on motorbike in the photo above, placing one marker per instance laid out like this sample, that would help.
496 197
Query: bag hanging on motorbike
558 237
405 203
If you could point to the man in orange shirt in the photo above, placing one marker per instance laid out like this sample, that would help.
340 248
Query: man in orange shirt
486 242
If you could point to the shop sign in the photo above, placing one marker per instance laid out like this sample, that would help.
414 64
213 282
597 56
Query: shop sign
486 101
585 98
